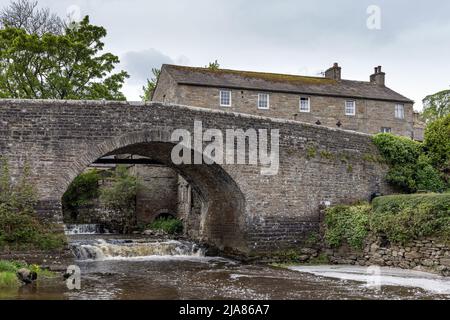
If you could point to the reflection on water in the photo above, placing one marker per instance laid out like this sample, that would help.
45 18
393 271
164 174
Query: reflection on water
139 269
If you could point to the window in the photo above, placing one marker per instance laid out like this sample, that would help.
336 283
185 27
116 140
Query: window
305 105
350 108
263 101
225 98
399 111
386 130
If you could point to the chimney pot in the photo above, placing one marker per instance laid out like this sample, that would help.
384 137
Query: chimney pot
334 72
378 77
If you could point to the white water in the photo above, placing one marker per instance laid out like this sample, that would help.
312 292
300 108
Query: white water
73 229
387 277
101 250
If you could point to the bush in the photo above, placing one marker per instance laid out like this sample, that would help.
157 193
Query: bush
403 218
411 169
400 218
20 228
168 225
348 224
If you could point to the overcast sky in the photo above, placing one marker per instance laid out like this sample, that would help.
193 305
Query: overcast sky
290 36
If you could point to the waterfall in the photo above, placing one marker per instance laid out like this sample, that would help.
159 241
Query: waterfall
72 229
101 249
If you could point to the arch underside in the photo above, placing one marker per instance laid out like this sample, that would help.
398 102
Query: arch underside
222 202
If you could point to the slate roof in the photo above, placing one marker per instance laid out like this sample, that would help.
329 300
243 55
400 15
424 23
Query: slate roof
248 80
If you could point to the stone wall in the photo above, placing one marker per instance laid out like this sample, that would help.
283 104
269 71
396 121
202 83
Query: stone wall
427 255
371 115
158 194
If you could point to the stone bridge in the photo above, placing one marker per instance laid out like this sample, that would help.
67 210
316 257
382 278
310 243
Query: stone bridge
242 210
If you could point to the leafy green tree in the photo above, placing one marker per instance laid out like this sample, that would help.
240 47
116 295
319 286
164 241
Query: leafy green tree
151 85
437 144
51 66
436 106
121 196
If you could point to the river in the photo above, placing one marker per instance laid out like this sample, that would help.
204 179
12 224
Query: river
136 268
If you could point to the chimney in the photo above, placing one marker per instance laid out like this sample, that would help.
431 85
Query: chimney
334 72
378 77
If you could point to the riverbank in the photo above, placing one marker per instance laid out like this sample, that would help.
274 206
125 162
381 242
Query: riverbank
123 267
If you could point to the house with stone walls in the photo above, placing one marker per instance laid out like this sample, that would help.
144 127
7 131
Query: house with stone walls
364 106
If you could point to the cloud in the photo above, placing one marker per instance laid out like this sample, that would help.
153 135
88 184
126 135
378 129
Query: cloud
139 64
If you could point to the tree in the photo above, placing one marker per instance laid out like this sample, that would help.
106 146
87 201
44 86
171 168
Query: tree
436 106
151 85
213 65
24 14
437 144
121 196
58 66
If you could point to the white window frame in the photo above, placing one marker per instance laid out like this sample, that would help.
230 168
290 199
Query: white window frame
260 100
354 108
386 130
400 111
309 104
220 98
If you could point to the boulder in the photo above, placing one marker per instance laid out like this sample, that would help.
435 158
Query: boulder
26 276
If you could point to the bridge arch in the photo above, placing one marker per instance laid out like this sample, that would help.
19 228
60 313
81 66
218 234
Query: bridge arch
222 202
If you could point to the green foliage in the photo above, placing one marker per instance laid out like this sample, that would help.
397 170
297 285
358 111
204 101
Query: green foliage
121 195
71 65
326 155
8 280
19 226
151 85
168 225
213 65
8 271
347 223
82 190
410 169
437 144
436 106
403 218
11 266
311 152
320 259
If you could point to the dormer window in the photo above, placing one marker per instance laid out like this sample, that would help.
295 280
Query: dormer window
225 98
263 101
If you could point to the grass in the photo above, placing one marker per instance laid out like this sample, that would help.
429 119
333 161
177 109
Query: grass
8 269
8 280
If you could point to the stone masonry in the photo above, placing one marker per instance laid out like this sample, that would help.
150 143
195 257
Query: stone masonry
239 209
375 103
